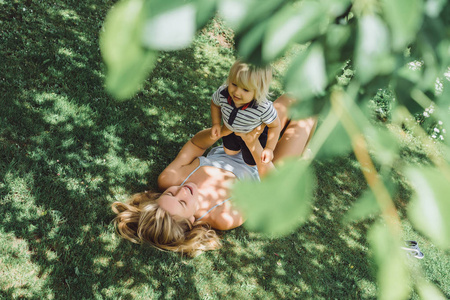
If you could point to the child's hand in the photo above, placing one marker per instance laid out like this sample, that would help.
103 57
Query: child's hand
267 155
215 131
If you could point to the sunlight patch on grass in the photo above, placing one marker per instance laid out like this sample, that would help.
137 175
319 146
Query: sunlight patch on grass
19 276
41 98
151 111
19 200
66 52
108 242
63 110
77 60
126 167
68 14
101 262
367 289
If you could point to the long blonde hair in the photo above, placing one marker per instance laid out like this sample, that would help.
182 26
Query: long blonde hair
252 78
142 220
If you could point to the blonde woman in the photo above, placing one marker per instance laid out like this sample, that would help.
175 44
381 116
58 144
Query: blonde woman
196 190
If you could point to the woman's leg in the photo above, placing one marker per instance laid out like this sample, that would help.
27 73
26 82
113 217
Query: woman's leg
282 105
296 134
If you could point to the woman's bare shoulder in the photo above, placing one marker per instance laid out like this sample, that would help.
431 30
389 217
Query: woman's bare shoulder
224 217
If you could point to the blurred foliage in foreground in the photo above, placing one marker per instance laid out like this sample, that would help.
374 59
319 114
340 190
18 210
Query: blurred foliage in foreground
400 46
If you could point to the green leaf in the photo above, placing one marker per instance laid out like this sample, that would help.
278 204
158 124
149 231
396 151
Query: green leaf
412 74
127 61
334 70
173 29
249 43
428 290
443 110
337 36
336 8
280 202
365 207
373 49
206 9
402 88
303 109
392 275
429 209
383 145
250 19
337 142
294 23
307 75
431 34
244 14
443 52
430 68
404 18
234 11
156 7
434 7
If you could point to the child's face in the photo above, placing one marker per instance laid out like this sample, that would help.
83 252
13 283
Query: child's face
240 95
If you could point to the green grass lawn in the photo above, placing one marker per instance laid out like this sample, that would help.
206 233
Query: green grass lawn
68 150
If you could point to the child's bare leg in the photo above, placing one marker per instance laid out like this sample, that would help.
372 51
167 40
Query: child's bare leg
224 132
231 152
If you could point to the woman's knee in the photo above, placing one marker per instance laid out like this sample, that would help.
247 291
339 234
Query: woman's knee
282 105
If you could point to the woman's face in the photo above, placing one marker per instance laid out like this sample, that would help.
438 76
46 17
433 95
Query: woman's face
180 201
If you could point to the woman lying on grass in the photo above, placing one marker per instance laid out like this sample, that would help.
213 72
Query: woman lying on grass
197 189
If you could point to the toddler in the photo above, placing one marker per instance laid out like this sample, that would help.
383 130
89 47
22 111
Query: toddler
242 105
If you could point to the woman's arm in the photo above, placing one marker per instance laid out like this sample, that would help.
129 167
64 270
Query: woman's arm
194 148
227 220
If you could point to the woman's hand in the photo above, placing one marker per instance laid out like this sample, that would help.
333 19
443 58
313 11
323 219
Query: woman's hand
251 140
252 136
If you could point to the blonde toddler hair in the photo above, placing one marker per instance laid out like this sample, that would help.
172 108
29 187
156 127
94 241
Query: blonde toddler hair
142 220
252 78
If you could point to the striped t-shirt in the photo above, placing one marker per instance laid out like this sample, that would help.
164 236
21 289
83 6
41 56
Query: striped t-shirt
246 118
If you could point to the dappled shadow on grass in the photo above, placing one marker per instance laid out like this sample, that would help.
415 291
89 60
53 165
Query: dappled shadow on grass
68 150
320 260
